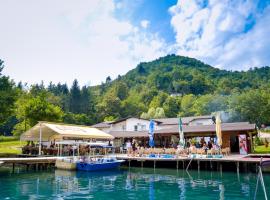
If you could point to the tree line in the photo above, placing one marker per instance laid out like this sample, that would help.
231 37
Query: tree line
170 86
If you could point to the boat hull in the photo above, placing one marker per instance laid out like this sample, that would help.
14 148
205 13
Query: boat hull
97 166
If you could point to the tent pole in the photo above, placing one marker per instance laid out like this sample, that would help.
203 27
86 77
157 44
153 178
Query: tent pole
40 138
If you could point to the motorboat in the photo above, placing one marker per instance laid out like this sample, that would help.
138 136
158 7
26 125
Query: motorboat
98 163
90 162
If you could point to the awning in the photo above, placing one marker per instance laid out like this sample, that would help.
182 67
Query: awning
129 134
56 131
225 127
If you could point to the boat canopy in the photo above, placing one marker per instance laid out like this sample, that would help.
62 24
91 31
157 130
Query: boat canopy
48 131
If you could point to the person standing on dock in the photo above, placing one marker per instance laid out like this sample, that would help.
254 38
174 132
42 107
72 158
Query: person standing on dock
128 146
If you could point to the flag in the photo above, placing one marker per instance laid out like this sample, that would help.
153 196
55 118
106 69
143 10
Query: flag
151 133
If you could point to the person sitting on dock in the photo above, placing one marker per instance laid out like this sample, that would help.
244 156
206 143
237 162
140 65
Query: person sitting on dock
205 147
210 145
192 148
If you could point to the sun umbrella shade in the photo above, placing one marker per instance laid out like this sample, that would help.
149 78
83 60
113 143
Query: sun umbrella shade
54 131
218 130
181 134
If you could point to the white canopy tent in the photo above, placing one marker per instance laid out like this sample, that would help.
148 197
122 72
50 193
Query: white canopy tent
47 131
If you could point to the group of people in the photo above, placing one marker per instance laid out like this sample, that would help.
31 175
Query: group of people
30 148
202 145
131 147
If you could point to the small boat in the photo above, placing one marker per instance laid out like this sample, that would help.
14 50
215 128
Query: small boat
97 164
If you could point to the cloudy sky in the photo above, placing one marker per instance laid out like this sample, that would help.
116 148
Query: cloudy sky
60 40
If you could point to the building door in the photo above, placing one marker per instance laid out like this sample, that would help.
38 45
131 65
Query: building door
234 143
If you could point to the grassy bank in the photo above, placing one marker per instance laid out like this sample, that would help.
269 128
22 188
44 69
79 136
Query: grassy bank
262 149
8 138
10 148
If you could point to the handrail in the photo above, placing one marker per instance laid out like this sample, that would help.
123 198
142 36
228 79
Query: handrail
189 164
260 178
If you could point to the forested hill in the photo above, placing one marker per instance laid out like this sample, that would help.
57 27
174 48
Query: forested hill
183 75
167 87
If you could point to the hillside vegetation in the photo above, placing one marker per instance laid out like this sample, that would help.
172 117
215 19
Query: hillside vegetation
169 86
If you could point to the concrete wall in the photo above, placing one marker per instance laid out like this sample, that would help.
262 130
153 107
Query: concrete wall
142 125
225 140
121 126
129 125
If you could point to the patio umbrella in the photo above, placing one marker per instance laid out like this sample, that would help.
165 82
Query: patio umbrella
218 130
181 134
151 133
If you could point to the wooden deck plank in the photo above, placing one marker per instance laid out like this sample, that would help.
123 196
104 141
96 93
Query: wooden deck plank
242 159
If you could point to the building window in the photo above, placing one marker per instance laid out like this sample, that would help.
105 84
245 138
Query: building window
143 127
135 128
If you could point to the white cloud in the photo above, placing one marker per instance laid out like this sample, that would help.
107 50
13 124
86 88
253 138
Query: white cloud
63 40
216 33
145 23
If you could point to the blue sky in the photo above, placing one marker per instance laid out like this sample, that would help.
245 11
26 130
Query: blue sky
156 12
89 40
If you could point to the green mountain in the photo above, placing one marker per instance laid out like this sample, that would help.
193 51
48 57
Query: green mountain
179 85
183 75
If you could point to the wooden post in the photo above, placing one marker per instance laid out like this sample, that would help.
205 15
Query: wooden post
40 139
13 167
220 169
237 166
129 163
154 164
198 165
183 164
177 164
251 142
141 163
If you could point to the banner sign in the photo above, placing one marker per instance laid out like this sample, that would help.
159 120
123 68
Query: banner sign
243 145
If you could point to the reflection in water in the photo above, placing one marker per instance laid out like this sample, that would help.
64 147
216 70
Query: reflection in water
151 188
134 184
221 193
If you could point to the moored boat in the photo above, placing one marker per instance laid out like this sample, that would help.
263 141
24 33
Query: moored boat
97 164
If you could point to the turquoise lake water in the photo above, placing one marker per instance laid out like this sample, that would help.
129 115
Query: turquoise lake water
136 183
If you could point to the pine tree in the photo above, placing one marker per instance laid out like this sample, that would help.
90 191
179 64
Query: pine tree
75 98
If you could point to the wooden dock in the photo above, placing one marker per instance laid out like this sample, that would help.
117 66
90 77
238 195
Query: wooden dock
180 162
36 162
231 158
235 160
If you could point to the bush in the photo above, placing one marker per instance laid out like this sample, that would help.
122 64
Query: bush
258 141
8 138
266 143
